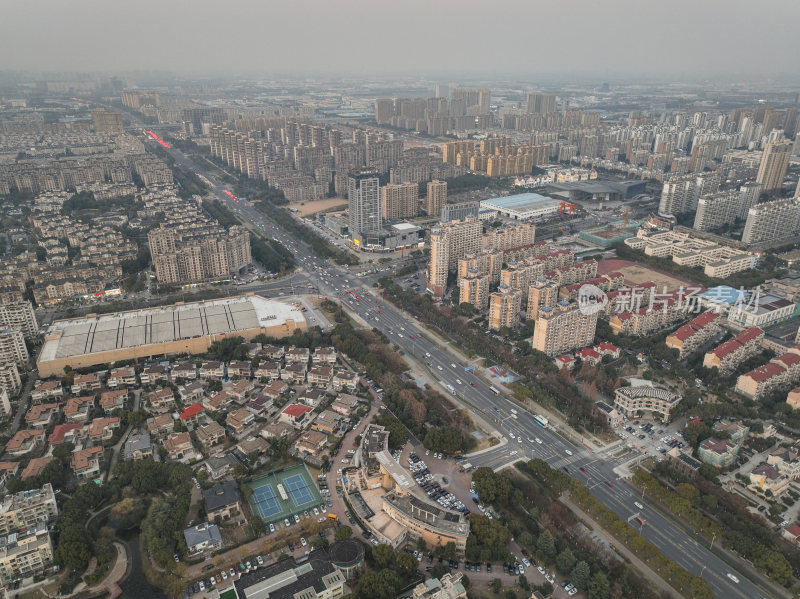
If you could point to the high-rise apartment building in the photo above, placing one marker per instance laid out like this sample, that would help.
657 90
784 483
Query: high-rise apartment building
542 293
504 308
680 193
384 110
460 211
19 316
474 289
12 347
26 553
562 328
748 197
484 100
198 258
400 200
10 381
107 121
774 163
540 103
768 221
436 198
716 210
450 241
510 236
364 203
26 509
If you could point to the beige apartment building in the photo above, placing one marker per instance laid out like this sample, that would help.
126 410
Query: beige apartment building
563 327
436 198
542 293
12 347
400 201
107 121
10 381
474 289
26 509
450 241
504 308
19 316
178 260
25 554
774 163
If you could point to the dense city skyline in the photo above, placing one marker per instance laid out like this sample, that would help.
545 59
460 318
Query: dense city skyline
596 39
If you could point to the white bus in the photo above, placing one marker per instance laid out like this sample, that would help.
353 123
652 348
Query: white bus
541 421
493 390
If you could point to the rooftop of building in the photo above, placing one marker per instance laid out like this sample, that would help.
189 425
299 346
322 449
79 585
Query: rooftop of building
288 579
148 326
522 202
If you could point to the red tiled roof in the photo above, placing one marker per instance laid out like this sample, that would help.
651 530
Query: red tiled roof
749 335
683 333
566 359
788 359
192 411
765 372
296 410
606 346
704 319
60 431
587 352
726 348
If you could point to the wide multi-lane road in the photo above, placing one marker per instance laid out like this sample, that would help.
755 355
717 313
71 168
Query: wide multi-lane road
473 392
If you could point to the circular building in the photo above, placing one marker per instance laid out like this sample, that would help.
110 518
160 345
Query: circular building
348 556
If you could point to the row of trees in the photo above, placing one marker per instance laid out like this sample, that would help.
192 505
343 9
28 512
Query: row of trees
271 254
736 530
530 510
540 376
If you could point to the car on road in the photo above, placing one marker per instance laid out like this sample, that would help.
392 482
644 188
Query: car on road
610 484
538 440
453 365
439 367
638 505
733 577
568 452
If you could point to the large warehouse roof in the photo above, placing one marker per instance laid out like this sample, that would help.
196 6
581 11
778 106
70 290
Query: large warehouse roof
163 325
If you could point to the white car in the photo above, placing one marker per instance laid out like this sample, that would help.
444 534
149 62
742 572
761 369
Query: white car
525 561
733 578
439 367
303 541
458 382
568 452
511 435
638 505
538 440
224 575
572 591
550 578
316 511
272 528
296 519
453 365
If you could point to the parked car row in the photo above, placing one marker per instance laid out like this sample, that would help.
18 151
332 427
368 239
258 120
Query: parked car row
215 579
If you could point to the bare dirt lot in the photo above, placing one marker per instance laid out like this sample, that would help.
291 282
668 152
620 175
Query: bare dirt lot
636 274
317 206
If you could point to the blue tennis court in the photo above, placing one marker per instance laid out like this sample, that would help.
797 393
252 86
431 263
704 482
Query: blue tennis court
297 487
266 502
283 494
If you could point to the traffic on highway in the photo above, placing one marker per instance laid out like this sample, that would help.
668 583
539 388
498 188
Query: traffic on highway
523 437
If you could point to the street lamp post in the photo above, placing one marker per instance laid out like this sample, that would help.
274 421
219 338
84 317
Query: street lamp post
713 537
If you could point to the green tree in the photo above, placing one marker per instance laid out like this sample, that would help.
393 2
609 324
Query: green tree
342 533
439 570
405 565
490 485
497 585
580 575
523 582
545 544
565 561
384 556
599 587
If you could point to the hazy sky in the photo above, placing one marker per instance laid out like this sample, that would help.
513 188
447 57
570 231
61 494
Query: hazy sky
738 38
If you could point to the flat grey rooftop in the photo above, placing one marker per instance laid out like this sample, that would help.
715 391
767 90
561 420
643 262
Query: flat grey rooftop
123 330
